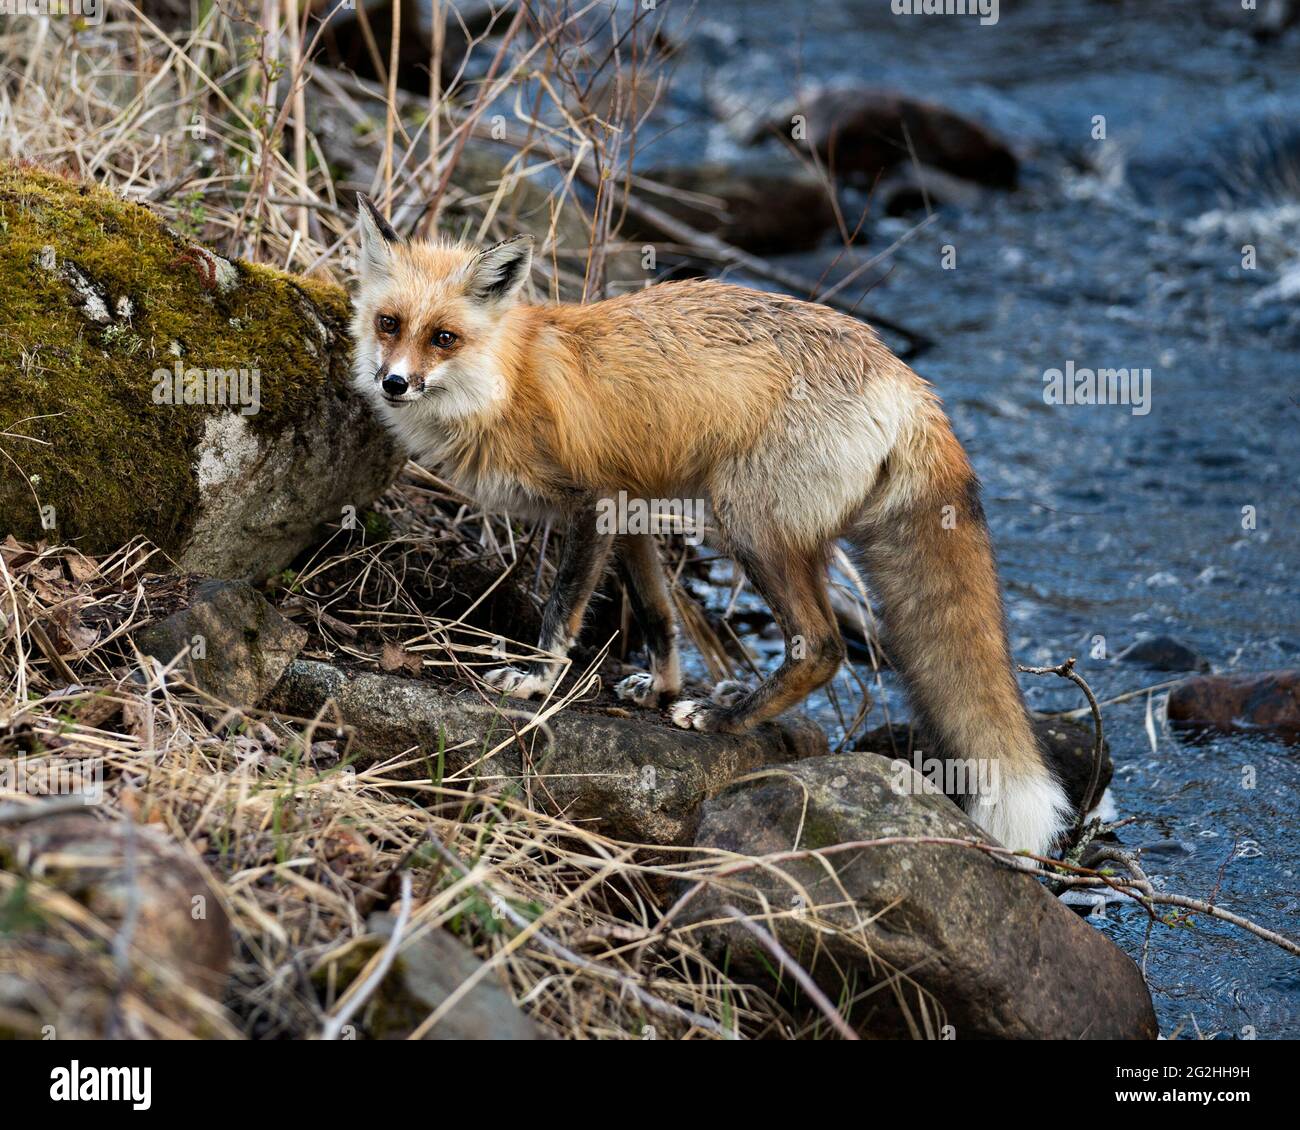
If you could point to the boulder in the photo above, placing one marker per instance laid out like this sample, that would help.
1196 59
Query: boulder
147 925
153 388
860 132
769 208
975 948
236 645
430 965
1164 653
630 776
1267 702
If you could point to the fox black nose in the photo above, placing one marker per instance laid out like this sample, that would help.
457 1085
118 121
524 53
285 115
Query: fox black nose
394 384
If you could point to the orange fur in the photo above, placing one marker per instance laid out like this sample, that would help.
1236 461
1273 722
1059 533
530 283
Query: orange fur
793 423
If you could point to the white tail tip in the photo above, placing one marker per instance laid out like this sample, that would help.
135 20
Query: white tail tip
1027 813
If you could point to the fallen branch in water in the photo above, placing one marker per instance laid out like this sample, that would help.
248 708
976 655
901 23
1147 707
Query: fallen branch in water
1066 671
1149 895
1126 696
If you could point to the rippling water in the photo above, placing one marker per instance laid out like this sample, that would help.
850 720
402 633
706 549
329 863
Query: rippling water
1127 253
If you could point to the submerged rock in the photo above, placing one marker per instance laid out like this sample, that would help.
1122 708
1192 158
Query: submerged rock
1267 702
169 393
632 777
860 132
979 949
1164 653
236 645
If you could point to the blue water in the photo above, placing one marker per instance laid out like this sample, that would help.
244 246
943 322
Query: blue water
1125 252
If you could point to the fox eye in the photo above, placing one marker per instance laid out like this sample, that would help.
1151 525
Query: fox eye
444 339
386 324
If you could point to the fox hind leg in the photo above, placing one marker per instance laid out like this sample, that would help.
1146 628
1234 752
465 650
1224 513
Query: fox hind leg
793 583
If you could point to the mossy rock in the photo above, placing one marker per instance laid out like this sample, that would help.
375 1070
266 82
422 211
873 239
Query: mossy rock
108 319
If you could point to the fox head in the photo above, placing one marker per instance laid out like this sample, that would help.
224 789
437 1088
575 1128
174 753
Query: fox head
427 318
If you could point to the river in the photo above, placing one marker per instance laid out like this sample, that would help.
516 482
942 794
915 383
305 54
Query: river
1110 523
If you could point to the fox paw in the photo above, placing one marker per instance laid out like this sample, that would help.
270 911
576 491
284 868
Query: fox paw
639 688
516 683
728 692
694 714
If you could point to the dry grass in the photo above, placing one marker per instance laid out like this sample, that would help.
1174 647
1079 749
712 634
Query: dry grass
301 847
224 120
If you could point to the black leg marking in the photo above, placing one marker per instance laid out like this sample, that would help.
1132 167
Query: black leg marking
582 561
641 569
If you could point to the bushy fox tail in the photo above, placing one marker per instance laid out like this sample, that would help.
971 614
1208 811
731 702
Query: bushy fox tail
924 543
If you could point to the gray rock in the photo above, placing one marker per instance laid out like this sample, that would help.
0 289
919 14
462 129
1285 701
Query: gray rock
975 943
628 776
431 965
236 645
264 498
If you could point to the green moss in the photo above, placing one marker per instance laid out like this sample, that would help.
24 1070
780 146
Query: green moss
111 462
377 526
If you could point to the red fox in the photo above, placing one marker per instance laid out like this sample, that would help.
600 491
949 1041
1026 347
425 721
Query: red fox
795 424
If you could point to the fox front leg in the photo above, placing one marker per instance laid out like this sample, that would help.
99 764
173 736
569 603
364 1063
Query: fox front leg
643 574
582 561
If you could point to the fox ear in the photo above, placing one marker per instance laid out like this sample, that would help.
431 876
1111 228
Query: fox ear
494 275
377 237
